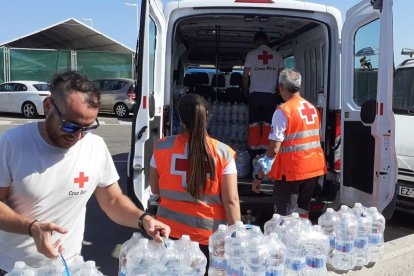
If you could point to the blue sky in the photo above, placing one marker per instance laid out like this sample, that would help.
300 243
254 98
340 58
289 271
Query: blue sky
115 19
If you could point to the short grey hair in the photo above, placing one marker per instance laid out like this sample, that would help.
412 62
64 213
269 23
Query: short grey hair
291 80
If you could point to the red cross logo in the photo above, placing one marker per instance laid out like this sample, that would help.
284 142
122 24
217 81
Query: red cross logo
265 57
307 112
180 165
81 180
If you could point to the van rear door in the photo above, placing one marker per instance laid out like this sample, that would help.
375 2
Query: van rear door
149 62
369 166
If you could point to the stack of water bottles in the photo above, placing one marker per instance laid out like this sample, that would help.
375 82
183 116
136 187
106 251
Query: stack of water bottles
229 123
140 256
290 244
356 236
78 267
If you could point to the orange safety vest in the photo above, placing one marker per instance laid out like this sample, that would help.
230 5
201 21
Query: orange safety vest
300 156
177 208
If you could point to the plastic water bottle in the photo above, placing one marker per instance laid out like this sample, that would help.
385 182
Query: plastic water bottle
364 220
376 235
76 264
216 249
170 261
327 222
234 248
295 257
317 249
270 226
124 250
88 269
345 229
256 256
21 269
285 223
277 256
141 258
52 267
196 261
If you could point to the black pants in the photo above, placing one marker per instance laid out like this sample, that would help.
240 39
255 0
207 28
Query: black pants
293 196
2 272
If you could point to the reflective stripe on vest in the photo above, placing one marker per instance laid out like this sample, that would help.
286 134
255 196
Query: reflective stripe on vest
301 147
195 222
302 134
165 143
185 196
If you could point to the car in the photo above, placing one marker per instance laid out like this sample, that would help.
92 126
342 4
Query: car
117 95
403 107
24 97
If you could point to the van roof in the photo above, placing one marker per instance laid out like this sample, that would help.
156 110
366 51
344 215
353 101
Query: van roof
406 63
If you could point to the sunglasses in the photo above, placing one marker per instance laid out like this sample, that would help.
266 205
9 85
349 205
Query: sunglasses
71 127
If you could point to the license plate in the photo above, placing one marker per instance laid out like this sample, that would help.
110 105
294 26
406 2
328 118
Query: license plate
406 191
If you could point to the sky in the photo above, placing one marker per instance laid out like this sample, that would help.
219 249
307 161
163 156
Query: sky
118 21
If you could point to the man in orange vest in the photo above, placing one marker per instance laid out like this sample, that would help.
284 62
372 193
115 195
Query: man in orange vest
295 146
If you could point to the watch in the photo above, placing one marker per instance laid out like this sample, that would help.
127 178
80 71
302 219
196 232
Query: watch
141 220
256 176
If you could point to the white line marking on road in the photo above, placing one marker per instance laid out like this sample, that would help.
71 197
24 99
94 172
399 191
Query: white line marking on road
5 122
125 123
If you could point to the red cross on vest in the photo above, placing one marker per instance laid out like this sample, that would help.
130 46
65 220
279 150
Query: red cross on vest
265 57
307 112
81 180
180 165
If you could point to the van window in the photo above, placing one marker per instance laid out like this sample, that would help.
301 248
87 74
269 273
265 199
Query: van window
403 97
152 40
366 56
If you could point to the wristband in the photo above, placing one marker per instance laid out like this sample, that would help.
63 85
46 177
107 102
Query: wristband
141 220
30 227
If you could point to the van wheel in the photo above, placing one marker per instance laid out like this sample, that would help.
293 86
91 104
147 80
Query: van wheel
29 110
121 110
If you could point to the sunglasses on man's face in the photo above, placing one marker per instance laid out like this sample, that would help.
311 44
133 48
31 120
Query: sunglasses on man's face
71 127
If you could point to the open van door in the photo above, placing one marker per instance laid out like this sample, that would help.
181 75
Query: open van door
369 165
149 74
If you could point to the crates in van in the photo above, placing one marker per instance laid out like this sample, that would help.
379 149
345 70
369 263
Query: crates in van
357 124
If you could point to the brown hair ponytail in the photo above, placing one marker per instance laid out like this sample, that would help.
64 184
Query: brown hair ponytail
192 110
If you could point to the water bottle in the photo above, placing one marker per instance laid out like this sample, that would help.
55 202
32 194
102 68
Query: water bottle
376 235
234 248
327 222
243 163
195 261
124 250
256 255
51 267
287 222
276 257
183 244
216 249
76 264
87 269
295 257
345 229
270 226
317 249
364 220
141 258
21 269
170 261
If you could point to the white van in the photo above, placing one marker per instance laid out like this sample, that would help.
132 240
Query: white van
357 125
403 106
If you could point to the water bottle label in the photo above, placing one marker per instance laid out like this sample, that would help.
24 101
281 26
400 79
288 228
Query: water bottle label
122 274
234 271
332 242
218 264
295 265
274 273
315 262
344 246
375 239
361 243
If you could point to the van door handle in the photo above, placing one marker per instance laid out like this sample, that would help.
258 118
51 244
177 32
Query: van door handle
141 132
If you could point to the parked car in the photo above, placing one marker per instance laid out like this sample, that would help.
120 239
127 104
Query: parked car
24 97
117 95
403 107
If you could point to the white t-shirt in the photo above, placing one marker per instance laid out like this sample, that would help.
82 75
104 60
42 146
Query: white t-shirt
229 169
264 64
279 125
50 184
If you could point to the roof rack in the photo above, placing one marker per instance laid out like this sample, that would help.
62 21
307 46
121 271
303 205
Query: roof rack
407 52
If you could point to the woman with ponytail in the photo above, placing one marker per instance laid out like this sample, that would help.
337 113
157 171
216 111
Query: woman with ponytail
195 177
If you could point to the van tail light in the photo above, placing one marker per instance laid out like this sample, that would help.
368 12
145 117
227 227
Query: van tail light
337 154
131 92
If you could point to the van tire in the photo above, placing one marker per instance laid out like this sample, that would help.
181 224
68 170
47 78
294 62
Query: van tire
121 110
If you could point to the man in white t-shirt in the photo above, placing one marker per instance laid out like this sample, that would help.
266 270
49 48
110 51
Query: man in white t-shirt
262 65
48 172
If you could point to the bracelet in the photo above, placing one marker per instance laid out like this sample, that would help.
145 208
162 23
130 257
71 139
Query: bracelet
256 176
141 220
30 227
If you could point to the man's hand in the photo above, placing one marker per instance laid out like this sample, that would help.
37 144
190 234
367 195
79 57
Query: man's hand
156 229
42 235
256 186
265 164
